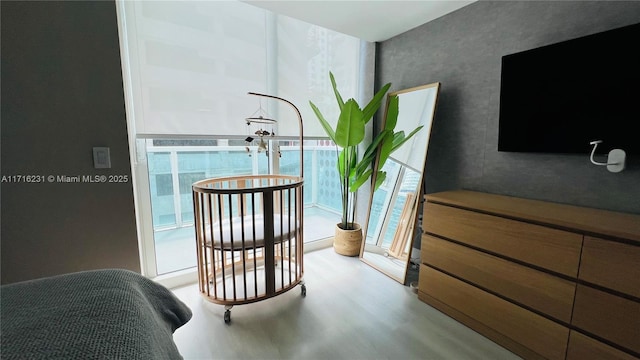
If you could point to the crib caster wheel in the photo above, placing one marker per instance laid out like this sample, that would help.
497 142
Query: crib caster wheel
304 291
227 316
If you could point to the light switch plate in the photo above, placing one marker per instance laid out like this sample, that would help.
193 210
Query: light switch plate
101 158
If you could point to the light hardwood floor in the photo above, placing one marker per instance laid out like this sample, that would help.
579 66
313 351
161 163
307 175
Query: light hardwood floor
351 311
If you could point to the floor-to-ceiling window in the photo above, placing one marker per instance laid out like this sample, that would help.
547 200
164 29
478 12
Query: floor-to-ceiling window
188 66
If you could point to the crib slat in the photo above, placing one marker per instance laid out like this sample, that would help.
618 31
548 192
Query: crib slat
269 260
289 230
242 254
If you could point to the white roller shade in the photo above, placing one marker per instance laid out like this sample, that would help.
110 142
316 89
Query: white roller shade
191 64
306 54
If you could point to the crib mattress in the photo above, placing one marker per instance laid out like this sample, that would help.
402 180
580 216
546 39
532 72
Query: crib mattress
249 228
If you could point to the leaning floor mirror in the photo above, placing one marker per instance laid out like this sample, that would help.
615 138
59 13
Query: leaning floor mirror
392 221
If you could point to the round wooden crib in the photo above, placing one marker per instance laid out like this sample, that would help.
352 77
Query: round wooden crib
249 237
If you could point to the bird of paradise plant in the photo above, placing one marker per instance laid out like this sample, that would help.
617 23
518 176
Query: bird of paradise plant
349 133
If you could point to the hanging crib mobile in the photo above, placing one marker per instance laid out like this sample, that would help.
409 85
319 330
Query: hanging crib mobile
259 121
249 230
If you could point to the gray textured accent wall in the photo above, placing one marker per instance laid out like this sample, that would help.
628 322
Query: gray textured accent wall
62 95
463 51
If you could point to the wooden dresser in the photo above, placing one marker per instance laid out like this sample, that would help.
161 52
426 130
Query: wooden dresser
544 280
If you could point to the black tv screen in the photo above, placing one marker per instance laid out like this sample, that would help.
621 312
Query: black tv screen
560 97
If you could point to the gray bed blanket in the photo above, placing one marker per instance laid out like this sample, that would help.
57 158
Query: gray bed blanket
100 314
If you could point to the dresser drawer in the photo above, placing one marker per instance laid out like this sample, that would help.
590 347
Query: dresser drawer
533 332
548 294
611 317
612 265
548 248
582 347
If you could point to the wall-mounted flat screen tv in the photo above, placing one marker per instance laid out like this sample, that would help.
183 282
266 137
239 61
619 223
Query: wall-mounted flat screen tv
560 97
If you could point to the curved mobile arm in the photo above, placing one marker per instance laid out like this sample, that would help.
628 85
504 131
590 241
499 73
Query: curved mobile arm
299 120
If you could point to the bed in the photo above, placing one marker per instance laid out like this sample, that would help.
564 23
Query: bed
98 314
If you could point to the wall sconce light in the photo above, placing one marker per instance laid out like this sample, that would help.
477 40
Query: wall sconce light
615 160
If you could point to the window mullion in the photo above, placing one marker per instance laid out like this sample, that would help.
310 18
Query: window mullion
175 177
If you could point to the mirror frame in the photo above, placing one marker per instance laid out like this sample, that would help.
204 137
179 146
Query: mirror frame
419 191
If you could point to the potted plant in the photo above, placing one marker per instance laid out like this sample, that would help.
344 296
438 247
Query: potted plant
355 170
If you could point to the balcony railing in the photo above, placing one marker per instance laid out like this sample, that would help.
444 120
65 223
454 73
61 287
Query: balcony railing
173 169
